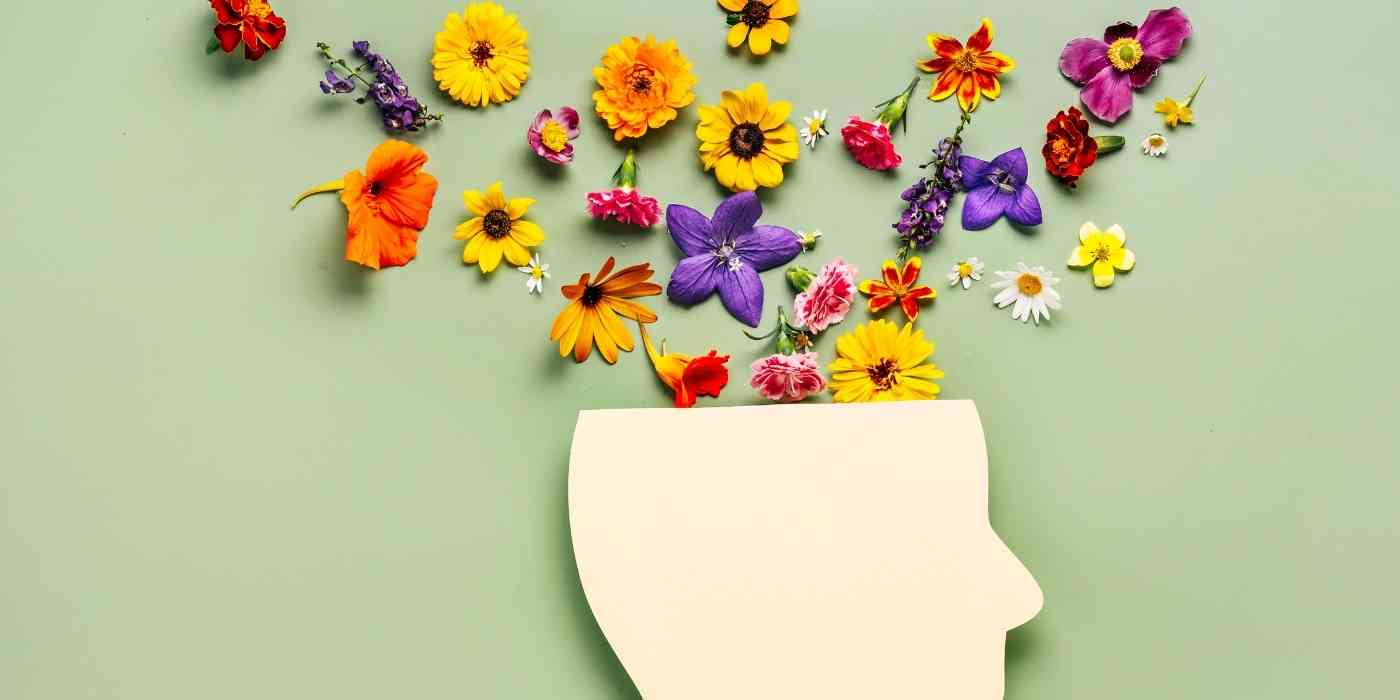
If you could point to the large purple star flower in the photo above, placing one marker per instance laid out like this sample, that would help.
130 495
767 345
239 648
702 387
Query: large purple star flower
726 253
997 188
1126 59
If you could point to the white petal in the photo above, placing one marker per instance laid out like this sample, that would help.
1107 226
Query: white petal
1005 298
1023 306
967 283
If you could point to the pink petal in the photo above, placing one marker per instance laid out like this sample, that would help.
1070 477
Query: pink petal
1083 58
1108 95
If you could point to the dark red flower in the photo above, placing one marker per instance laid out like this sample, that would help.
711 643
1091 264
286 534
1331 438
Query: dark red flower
705 375
869 143
1069 150
250 22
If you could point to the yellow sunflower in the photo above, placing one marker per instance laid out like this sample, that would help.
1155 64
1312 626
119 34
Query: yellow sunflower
642 85
497 230
479 57
746 140
876 362
760 21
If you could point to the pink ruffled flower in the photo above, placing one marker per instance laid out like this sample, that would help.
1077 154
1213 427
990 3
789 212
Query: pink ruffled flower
626 205
787 377
826 301
870 143
549 136
1127 59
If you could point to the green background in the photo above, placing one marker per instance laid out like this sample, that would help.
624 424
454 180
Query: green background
237 466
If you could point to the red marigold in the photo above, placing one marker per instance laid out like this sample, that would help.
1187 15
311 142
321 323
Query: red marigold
251 22
1069 150
869 143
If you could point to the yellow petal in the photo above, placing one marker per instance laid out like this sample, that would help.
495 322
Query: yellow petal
1087 231
469 228
527 233
567 319
737 34
727 170
1116 233
782 9
733 103
515 253
476 202
472 252
733 5
516 208
760 40
495 198
1123 259
780 30
1103 273
776 115
766 171
743 177
491 251
782 151
755 98
1080 257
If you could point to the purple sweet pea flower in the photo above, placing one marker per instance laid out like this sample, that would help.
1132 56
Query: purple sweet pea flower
997 188
335 83
1126 59
726 253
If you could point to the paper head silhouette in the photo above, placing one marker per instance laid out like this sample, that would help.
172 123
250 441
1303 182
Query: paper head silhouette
722 562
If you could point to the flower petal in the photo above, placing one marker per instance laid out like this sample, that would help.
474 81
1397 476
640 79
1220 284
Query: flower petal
974 171
946 84
1087 231
694 280
736 216
968 94
1014 162
1025 208
937 64
1145 71
1083 58
767 247
776 115
690 230
737 34
742 293
981 39
983 206
1079 257
733 5
1108 95
1123 259
944 45
1103 274
1163 33
761 40
779 29
782 9
1121 30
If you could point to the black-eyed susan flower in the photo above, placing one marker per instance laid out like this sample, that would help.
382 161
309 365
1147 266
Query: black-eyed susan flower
761 22
497 230
596 307
746 139
479 57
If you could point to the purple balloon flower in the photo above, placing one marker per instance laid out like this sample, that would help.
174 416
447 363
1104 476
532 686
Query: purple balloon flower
1127 59
726 253
997 188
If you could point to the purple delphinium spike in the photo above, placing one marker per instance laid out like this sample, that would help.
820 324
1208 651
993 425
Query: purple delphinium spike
928 199
398 108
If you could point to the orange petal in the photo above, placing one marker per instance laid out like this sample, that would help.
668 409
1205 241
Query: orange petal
947 84
630 309
607 267
627 277
910 273
565 320
393 160
981 39
944 45
881 302
995 62
873 288
968 94
910 306
584 344
935 65
891 274
408 202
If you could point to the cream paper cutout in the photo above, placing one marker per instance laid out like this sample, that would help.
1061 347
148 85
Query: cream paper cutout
722 560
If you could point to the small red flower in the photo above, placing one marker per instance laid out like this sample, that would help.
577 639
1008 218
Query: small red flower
898 286
869 143
705 375
251 22
1069 150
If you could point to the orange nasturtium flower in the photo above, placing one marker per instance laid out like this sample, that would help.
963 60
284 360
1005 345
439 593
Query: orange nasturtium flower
898 286
388 205
642 84
688 377
594 307
971 71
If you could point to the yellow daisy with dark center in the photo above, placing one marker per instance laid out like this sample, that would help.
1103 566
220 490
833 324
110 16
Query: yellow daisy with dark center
761 22
498 229
746 140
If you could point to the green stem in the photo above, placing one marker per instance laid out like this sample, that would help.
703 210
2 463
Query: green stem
1190 98
626 174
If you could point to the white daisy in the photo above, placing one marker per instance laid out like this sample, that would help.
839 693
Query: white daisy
538 274
966 272
1155 145
815 129
1031 289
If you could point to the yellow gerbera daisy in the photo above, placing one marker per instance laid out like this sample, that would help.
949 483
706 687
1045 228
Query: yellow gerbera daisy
760 21
876 362
746 140
642 85
497 230
479 57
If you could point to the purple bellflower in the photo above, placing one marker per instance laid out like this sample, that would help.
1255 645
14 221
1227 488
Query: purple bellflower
998 188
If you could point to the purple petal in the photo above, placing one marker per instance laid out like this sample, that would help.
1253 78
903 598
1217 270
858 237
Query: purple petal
694 279
568 116
690 230
540 120
1109 95
1121 30
1163 32
1145 71
536 144
736 215
983 206
1025 207
1083 58
974 171
742 293
1014 162
767 247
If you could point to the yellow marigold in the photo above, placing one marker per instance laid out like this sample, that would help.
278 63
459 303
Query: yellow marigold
746 140
479 57
642 84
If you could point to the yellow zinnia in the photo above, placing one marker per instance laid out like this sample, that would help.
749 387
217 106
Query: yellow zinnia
642 85
479 57
760 21
497 230
877 362
746 140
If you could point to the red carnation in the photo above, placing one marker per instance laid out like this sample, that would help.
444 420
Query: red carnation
870 143
1069 150
251 22
626 205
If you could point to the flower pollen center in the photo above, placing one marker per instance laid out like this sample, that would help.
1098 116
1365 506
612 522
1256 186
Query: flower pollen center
1102 253
755 14
257 8
1125 53
746 140
537 272
481 52
591 296
641 77
1003 180
374 188
964 270
1029 284
554 136
883 375
1156 140
497 223
966 61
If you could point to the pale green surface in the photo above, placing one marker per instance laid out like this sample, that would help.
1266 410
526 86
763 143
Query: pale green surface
237 466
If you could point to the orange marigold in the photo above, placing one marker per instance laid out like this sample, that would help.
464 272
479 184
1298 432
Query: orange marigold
643 84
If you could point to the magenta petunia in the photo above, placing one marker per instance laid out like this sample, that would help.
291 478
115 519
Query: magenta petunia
1127 59
550 135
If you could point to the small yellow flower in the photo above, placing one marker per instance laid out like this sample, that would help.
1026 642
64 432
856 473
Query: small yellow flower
479 57
1104 251
1173 113
498 229
880 362
746 140
759 21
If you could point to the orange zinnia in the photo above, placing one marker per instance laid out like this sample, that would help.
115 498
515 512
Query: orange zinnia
643 84
970 71
388 205
594 308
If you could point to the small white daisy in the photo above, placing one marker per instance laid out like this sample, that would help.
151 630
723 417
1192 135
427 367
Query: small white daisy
815 129
1155 145
1031 289
809 239
966 272
538 274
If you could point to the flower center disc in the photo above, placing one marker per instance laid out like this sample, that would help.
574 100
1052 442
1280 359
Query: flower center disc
1003 180
497 223
481 53
1125 53
966 62
591 296
1102 253
257 8
553 136
746 140
1029 285
641 78
755 14
883 375
964 270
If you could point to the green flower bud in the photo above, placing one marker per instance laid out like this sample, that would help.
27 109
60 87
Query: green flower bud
800 277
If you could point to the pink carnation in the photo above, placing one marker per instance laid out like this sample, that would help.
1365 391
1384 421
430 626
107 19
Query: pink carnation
626 205
787 377
827 300
870 143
